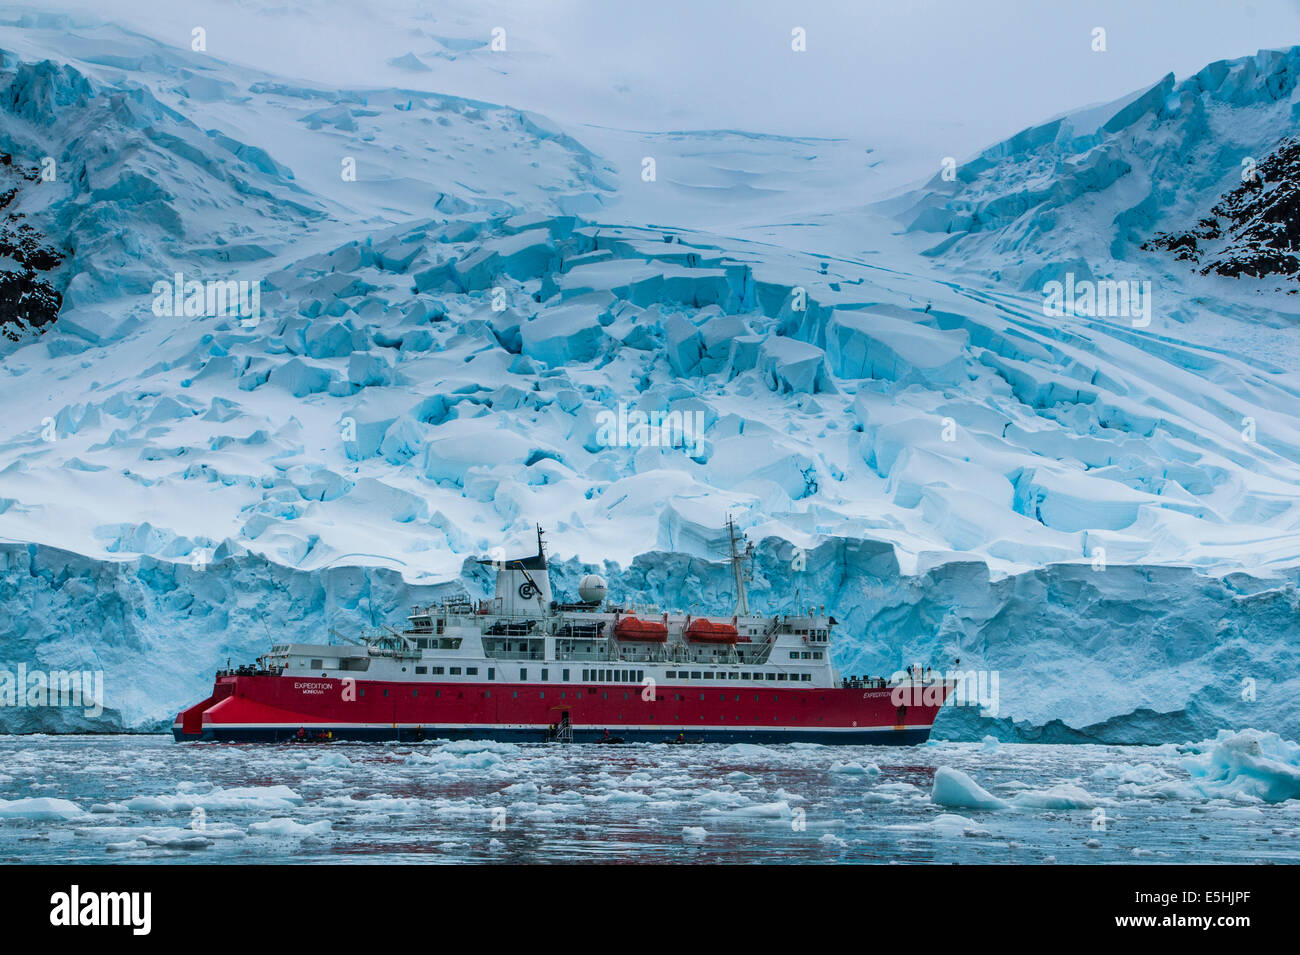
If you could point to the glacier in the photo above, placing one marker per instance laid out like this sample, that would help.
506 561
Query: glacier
1104 515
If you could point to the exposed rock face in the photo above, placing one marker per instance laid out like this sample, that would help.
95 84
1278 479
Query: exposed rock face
28 299
1253 230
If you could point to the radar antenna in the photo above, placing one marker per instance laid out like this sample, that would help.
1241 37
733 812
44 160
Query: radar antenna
738 558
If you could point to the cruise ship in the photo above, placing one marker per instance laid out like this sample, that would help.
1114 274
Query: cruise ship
524 667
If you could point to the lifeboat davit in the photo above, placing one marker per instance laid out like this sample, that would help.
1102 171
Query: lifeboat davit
709 631
631 628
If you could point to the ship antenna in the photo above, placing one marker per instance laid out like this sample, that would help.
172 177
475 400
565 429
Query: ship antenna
738 568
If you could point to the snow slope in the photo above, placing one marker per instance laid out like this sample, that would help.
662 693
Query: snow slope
1096 184
1107 515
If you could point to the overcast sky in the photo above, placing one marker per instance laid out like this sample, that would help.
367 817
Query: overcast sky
952 75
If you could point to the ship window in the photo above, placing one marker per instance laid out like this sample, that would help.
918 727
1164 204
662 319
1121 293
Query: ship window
744 676
781 676
385 692
420 670
541 695
771 676
315 664
670 675
625 696
737 700
523 674
437 671
806 655
492 673
806 677
543 674
701 697
565 675
363 692
471 671
455 671
415 693
640 675
817 654
516 696
561 694
695 674
488 694
584 676
794 654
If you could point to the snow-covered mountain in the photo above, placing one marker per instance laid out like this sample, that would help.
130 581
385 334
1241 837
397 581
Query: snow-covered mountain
1254 230
464 307
1086 191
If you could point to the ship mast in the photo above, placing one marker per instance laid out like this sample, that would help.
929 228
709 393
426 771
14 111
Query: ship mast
738 568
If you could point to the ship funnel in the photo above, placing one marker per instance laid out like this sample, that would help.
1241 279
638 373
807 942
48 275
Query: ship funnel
523 585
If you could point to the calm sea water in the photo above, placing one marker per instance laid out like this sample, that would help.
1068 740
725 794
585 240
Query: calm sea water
141 799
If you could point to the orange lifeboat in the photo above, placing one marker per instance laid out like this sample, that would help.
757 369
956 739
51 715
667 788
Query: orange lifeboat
709 631
631 628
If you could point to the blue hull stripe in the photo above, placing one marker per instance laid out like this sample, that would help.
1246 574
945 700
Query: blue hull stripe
286 734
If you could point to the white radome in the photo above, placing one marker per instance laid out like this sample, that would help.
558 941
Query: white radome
592 589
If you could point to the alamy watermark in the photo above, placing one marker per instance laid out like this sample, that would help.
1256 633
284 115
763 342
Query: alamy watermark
1102 298
214 298
970 688
83 689
651 429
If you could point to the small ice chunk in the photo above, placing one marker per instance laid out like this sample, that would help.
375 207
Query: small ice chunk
1061 796
284 826
954 788
855 769
39 808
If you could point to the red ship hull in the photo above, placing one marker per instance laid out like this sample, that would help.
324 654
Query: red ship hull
279 708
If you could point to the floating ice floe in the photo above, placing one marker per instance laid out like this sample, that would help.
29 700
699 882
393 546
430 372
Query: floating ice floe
954 788
746 751
1060 796
284 826
951 824
260 798
1250 763
39 808
855 769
